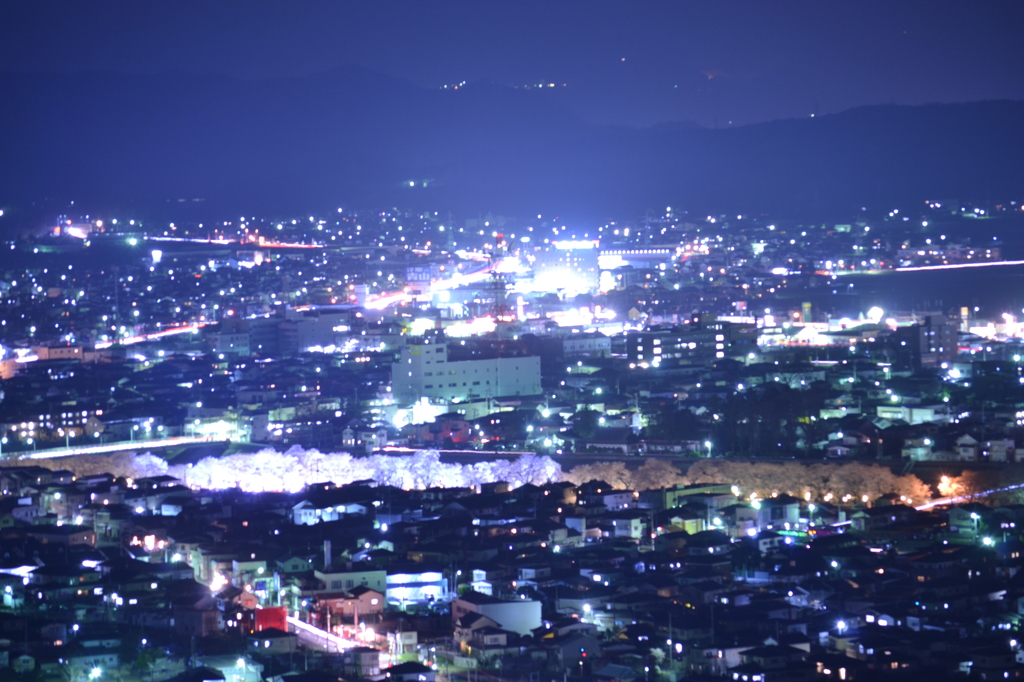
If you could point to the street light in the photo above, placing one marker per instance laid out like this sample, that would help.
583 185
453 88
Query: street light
707 444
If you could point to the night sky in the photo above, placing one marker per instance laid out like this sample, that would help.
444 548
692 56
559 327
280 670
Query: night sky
723 63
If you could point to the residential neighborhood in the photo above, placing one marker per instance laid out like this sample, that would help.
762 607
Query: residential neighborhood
148 577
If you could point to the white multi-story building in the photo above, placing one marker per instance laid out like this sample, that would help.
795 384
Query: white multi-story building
424 371
589 345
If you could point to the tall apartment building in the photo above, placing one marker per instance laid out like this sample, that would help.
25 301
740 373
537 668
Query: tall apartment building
928 343
424 371
701 342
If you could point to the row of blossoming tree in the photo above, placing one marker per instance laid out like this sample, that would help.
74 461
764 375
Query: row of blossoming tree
269 470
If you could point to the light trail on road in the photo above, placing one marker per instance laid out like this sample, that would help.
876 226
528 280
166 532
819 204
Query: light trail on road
153 336
191 240
957 499
454 281
227 242
339 642
385 300
113 447
959 266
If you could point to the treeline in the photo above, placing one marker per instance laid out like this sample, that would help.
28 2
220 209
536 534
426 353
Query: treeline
818 482
292 470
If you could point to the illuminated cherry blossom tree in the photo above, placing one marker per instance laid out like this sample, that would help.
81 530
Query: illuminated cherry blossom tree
291 471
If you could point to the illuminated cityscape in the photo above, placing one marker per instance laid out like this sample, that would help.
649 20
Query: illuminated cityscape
541 342
685 391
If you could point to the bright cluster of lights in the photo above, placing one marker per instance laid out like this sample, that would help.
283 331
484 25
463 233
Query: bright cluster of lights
269 470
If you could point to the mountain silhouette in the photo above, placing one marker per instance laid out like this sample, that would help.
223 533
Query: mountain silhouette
350 137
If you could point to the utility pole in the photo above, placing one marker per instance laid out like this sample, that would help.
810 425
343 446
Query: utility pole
117 298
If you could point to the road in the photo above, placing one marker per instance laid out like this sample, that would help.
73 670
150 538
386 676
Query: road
314 638
107 448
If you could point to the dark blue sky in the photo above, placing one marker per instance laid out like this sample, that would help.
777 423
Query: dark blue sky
625 62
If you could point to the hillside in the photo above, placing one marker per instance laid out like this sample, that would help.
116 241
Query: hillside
351 137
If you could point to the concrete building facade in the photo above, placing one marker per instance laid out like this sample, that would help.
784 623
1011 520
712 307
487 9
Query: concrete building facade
424 371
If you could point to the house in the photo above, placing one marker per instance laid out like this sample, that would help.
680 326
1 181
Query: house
613 672
671 542
416 584
620 440
20 511
563 626
519 616
778 513
682 518
361 662
201 619
90 657
877 518
999 450
374 578
69 536
485 579
598 494
708 542
768 540
294 564
967 448
235 668
466 625
399 636
491 642
918 449
324 507
451 427
715 496
361 601
271 641
201 674
23 663
772 662
966 518
740 519
628 524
